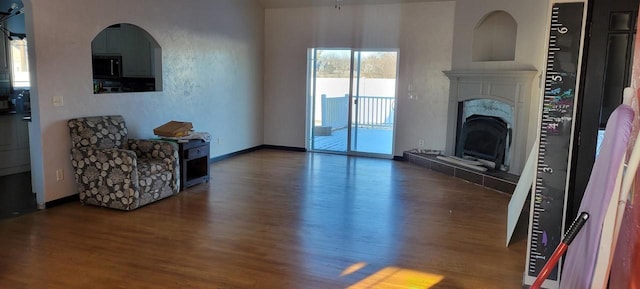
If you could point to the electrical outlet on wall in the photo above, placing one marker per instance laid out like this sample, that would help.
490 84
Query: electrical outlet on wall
421 143
59 175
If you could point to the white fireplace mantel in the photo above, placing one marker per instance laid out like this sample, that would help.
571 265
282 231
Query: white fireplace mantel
509 86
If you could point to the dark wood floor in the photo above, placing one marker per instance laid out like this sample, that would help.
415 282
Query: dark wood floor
274 219
16 196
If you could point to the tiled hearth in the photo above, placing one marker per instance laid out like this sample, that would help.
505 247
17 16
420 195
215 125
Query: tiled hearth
499 181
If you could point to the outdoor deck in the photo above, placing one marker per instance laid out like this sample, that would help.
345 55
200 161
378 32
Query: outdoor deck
372 119
369 140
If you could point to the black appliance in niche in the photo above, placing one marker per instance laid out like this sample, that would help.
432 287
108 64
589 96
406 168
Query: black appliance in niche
107 66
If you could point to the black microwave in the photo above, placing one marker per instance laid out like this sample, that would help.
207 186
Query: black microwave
107 66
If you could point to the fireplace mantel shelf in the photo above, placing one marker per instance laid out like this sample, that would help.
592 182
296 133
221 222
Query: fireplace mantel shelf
527 74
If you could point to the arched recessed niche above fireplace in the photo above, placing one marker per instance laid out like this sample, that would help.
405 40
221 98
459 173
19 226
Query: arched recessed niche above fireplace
494 37
126 58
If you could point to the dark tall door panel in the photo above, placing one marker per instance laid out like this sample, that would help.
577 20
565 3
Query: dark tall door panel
608 67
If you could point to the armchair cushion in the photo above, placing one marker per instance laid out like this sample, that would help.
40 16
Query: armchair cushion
159 156
155 181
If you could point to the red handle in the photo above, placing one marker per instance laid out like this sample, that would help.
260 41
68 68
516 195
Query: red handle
562 247
546 270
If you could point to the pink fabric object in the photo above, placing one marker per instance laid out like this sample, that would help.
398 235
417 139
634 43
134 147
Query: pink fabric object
625 267
580 260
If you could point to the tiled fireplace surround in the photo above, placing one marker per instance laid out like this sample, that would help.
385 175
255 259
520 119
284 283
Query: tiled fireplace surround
509 86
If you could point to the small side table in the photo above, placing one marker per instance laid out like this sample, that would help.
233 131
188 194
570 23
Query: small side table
194 163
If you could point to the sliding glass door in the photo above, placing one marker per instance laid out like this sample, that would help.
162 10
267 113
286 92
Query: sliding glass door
352 97
374 98
330 88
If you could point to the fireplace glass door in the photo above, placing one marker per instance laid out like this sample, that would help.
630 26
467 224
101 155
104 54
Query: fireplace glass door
352 95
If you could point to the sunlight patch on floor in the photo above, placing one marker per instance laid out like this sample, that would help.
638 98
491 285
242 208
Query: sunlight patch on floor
353 268
393 277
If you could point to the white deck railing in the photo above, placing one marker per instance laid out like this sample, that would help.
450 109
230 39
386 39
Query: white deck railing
372 112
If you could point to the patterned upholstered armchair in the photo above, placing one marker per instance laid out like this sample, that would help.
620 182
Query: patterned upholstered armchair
116 172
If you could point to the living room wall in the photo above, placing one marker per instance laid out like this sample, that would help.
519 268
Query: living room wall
212 73
423 33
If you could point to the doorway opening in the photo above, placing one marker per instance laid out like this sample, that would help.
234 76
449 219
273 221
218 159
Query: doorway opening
16 193
352 101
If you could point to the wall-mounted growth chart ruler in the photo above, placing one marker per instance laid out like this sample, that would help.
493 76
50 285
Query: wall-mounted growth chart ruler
549 198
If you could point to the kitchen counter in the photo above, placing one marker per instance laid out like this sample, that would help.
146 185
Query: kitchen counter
124 84
12 112
14 143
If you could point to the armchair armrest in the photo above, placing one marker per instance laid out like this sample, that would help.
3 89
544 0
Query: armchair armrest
154 149
106 177
166 151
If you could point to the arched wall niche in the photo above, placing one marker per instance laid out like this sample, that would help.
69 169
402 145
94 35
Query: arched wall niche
126 58
494 37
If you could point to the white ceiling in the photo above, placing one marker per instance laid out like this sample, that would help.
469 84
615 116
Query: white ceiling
304 3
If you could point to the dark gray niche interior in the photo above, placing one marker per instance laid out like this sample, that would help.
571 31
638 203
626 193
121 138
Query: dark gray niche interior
126 58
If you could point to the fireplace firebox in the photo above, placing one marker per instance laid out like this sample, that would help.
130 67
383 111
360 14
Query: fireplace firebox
484 137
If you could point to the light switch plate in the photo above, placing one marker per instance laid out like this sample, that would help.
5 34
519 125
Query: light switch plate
58 100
